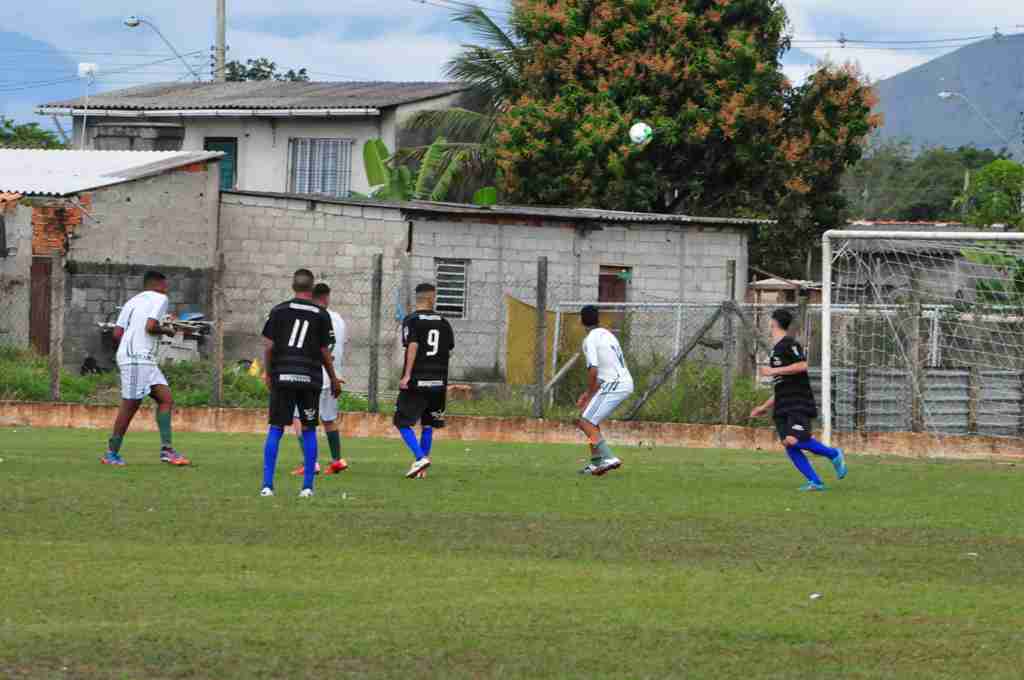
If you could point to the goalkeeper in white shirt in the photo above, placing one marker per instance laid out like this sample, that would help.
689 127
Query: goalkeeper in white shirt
609 384
137 334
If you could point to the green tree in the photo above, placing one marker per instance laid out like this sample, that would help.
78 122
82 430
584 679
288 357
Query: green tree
732 135
261 69
891 182
492 68
27 136
995 195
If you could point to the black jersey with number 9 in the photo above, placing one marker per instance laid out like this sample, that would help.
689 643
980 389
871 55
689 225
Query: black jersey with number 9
436 340
299 329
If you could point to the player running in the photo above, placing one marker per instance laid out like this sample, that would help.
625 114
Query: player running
610 383
428 340
137 334
794 405
297 341
329 412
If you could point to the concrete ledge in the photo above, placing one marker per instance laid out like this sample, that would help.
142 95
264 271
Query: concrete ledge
526 430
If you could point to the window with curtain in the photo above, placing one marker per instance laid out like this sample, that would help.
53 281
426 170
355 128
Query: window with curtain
320 166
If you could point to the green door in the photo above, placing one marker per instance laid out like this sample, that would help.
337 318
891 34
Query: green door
228 164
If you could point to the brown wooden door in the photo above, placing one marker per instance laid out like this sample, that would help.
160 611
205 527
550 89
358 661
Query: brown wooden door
39 306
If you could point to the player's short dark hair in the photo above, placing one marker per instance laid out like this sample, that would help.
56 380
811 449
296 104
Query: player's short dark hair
302 281
590 316
151 277
783 317
321 290
425 288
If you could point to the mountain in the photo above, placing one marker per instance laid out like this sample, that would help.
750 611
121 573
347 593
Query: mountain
31 77
990 74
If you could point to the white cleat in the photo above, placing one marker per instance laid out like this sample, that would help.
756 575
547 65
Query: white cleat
606 466
418 467
266 491
306 493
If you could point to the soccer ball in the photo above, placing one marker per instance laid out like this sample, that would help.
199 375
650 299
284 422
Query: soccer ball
640 133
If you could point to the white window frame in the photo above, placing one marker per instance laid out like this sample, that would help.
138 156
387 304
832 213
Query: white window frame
342 186
444 287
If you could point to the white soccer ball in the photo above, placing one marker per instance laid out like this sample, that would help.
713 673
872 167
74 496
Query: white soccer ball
640 133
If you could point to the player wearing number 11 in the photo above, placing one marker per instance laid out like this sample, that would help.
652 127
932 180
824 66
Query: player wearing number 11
297 340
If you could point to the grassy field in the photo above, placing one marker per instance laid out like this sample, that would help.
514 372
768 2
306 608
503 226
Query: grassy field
503 564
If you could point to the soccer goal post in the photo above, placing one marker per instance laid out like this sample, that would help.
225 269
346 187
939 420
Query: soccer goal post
922 331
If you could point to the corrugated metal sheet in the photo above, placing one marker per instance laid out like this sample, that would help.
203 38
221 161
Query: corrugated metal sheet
263 94
63 172
946 406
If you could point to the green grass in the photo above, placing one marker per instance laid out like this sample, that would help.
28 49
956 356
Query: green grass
685 564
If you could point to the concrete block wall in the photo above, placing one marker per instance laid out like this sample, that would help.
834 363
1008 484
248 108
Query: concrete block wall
266 238
669 264
15 267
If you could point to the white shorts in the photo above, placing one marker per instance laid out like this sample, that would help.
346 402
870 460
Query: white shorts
604 403
328 407
138 380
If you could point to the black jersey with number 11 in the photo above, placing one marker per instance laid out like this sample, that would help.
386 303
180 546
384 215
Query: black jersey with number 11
435 340
299 329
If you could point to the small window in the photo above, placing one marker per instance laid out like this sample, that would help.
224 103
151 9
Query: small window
612 283
229 163
320 166
451 278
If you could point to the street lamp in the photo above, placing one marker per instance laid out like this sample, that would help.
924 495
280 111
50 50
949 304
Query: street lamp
135 22
946 95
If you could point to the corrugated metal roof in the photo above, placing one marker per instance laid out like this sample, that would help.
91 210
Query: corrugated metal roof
64 172
564 214
262 94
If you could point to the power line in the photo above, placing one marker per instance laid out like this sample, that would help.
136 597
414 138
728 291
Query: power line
30 85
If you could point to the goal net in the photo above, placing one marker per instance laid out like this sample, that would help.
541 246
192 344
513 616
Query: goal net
923 332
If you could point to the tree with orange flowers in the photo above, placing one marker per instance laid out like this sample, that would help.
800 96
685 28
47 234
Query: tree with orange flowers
732 136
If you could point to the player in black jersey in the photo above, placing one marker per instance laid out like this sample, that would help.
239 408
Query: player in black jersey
428 340
793 403
297 341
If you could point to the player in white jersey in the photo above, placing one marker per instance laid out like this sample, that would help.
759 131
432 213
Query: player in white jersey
137 334
610 383
330 414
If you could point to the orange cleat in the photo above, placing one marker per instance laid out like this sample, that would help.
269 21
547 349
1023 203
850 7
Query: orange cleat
301 470
337 466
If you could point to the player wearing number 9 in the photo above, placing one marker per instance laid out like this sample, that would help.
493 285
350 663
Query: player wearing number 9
428 340
297 339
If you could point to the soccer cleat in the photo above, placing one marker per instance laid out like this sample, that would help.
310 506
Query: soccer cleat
812 486
420 465
301 470
306 493
112 459
839 463
606 466
172 457
337 466
588 469
266 492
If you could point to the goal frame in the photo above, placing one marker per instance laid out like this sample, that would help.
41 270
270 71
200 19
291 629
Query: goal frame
827 253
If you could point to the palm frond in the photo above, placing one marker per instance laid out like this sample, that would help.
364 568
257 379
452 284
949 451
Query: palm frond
484 28
494 74
430 168
446 178
457 124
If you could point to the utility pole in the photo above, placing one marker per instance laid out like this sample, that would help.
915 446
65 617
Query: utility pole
221 48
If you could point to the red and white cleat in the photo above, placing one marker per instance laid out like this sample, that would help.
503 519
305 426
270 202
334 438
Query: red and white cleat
417 467
301 470
337 466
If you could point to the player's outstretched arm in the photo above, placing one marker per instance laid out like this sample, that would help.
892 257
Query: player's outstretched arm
763 408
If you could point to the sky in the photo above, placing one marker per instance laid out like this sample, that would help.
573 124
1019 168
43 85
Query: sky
42 43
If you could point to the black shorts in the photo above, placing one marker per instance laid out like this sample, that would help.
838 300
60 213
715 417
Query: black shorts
420 406
793 424
284 401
